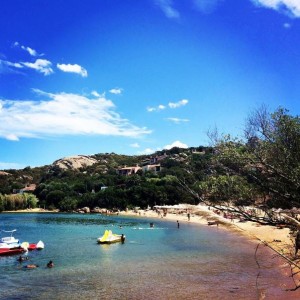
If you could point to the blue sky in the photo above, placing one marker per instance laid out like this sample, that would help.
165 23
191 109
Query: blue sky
136 76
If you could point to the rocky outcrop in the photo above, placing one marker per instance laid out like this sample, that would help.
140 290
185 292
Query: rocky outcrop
2 173
74 162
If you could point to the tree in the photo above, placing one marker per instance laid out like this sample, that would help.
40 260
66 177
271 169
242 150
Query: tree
31 200
274 144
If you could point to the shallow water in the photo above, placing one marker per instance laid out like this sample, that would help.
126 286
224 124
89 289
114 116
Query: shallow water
193 262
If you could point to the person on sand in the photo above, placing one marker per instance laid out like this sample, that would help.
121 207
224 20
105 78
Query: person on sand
297 242
50 264
189 216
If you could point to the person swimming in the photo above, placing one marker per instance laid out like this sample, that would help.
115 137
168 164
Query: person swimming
31 266
122 238
50 264
22 258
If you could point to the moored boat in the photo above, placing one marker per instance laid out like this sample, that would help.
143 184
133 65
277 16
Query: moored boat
11 251
10 245
9 242
109 238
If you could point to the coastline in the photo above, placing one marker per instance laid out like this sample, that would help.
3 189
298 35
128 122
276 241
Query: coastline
31 210
279 240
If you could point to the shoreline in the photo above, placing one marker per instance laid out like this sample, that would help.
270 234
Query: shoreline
278 239
31 210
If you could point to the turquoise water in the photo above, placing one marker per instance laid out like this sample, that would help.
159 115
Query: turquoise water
164 262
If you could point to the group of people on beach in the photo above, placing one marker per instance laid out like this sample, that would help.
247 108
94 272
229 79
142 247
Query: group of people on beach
21 259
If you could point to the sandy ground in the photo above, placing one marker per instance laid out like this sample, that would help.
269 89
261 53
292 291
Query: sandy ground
279 239
32 210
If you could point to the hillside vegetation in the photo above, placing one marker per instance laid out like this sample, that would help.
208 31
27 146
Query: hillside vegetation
262 169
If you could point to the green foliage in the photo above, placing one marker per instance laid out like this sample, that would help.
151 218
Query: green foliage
268 164
31 200
67 204
17 201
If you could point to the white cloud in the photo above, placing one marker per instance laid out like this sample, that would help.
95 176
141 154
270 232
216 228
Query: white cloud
151 109
287 25
178 104
170 105
176 144
167 7
7 166
146 151
41 65
31 51
177 120
116 91
95 93
135 145
11 64
73 69
158 108
63 114
290 7
12 137
206 6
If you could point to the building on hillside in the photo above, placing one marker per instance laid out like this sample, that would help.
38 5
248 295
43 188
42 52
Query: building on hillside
29 188
154 159
152 168
127 171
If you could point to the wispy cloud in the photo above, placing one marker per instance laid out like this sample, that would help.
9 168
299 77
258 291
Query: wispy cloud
289 7
157 108
176 144
206 6
69 68
31 51
177 120
167 7
147 151
178 104
9 67
167 147
7 166
63 114
135 145
171 105
41 65
95 93
116 91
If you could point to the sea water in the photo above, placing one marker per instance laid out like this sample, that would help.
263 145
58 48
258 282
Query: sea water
163 262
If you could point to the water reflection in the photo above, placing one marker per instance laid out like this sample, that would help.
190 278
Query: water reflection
195 262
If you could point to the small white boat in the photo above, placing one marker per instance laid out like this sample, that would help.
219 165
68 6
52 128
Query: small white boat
9 242
109 238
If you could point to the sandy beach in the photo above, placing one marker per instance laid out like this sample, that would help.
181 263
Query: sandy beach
280 240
